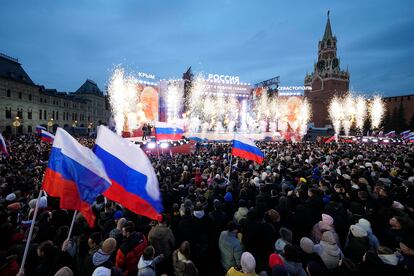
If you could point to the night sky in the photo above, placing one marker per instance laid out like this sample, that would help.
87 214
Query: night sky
61 43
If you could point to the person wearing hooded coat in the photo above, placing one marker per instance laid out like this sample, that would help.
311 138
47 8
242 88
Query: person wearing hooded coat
200 227
309 253
183 266
102 257
247 266
162 239
329 250
373 240
357 244
326 224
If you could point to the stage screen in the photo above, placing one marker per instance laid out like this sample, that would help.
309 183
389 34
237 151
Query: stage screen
148 103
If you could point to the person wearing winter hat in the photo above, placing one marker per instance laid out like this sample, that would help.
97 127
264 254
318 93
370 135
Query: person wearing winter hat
242 211
162 239
230 246
248 266
309 249
102 257
274 260
326 224
148 261
101 271
330 252
285 238
182 264
228 197
357 243
373 240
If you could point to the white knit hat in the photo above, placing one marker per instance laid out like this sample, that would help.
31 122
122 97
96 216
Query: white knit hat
358 231
365 224
247 262
101 271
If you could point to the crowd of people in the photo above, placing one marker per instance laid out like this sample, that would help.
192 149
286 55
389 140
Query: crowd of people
309 209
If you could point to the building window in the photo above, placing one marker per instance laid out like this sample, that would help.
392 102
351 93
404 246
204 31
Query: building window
29 114
408 98
20 95
53 114
44 114
8 93
40 114
30 97
29 129
8 113
20 113
57 115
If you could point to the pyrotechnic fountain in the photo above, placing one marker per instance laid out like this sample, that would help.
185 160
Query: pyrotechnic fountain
376 111
345 111
360 112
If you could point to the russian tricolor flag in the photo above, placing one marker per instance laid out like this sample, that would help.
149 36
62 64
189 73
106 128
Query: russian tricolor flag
405 132
39 129
47 136
134 182
390 134
167 131
408 136
3 147
245 148
75 175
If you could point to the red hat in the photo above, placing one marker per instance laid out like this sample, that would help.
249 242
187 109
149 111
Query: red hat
275 260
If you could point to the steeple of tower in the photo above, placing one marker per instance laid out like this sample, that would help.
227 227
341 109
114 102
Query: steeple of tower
327 78
328 30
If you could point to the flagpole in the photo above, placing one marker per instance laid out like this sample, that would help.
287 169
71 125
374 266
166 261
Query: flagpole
71 225
29 238
231 160
231 156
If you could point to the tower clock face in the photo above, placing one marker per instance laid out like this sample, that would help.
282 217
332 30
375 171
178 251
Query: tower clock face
335 63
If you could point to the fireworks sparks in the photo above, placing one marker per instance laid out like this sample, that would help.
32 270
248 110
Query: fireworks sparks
360 112
336 113
348 104
344 111
377 111
174 102
124 101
